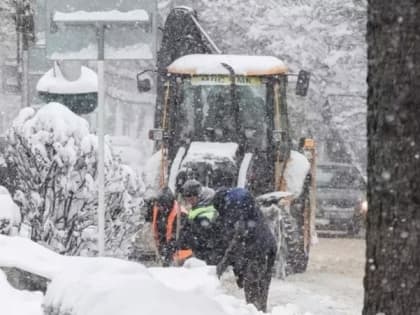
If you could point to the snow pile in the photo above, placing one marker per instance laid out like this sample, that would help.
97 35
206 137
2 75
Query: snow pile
106 286
296 170
56 158
15 302
151 173
109 286
9 213
175 167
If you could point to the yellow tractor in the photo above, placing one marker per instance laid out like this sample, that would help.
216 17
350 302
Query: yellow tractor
223 120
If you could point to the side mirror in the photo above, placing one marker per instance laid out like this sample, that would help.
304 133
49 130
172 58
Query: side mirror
302 83
143 85
143 82
278 135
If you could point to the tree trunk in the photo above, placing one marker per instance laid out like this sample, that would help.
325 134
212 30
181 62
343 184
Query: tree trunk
392 281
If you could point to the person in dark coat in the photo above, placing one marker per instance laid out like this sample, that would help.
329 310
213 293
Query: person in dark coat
198 233
248 243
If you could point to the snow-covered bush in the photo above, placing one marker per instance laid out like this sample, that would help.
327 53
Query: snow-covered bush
55 156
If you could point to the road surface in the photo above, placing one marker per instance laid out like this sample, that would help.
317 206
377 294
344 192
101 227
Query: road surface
332 285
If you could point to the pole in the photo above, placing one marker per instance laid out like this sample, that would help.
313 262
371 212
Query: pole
25 75
101 143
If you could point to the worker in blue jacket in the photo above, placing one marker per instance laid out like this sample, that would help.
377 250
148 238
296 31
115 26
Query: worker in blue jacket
249 245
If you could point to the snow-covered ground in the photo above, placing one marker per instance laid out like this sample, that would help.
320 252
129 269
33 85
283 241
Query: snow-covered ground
16 302
332 285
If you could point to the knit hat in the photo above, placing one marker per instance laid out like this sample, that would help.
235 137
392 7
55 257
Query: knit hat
165 198
219 200
191 188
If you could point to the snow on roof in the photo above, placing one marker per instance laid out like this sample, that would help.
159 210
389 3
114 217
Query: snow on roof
210 152
212 64
53 81
102 16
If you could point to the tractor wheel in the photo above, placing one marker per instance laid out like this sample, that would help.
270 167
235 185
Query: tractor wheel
300 244
355 227
297 256
280 264
284 228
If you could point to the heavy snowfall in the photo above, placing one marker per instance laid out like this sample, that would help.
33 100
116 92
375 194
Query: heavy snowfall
51 260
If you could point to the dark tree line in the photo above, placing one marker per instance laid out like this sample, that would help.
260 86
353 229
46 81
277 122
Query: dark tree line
392 281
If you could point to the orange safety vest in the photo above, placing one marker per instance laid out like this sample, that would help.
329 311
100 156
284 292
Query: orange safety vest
179 255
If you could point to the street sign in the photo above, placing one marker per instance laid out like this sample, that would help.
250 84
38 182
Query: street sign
129 30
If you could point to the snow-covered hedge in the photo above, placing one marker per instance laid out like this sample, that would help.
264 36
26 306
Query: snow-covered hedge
10 217
55 156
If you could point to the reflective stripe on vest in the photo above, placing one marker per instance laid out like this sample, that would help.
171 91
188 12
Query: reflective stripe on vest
171 219
170 223
154 224
208 212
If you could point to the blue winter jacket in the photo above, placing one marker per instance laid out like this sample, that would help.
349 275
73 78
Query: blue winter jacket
242 222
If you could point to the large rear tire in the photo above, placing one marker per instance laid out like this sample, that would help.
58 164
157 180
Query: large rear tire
299 247
286 232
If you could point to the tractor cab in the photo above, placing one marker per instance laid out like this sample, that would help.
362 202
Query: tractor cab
214 104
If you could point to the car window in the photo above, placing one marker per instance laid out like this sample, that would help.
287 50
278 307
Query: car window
339 177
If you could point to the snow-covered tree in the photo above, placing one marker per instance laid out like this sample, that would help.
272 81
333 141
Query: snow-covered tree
55 157
325 37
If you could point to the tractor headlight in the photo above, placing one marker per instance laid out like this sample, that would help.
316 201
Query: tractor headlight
364 207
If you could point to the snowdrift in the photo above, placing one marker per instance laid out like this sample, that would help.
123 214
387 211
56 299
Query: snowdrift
109 286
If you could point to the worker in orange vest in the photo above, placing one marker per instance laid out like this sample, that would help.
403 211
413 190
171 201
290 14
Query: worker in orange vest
165 220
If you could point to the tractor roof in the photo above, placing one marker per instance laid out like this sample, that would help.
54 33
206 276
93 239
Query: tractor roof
242 65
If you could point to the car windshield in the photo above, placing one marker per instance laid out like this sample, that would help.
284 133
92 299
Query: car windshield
339 177
206 109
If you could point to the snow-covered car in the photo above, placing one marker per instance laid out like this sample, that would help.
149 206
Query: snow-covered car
10 217
341 198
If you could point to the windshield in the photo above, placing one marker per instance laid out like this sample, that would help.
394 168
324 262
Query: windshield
206 110
339 177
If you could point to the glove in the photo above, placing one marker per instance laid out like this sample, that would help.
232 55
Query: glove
240 281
